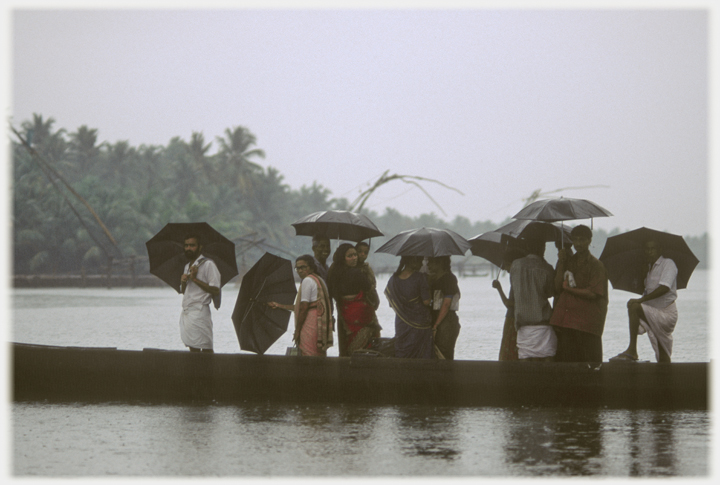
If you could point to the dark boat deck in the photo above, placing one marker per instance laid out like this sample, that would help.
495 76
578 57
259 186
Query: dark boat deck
47 373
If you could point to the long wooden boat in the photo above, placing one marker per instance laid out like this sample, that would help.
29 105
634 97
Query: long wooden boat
52 374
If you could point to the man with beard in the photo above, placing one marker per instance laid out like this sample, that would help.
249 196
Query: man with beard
200 284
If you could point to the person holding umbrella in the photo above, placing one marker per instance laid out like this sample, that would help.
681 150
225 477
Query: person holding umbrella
655 312
349 287
199 284
313 313
581 307
408 293
445 301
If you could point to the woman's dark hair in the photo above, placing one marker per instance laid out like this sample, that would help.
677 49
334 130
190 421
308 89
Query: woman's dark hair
309 260
338 267
408 261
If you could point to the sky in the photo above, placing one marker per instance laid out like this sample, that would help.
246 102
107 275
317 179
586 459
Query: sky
606 104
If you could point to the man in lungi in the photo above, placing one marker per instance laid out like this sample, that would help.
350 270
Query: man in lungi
531 286
199 284
655 312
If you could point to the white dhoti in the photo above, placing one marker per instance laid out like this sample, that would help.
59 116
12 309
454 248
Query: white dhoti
538 341
659 326
196 327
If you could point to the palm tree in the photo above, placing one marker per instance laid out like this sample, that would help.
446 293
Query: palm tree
83 150
198 152
234 156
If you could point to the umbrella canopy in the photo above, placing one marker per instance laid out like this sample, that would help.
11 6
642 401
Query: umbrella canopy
345 225
428 241
166 251
257 325
624 258
491 245
562 209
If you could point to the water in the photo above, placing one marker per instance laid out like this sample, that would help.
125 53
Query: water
270 440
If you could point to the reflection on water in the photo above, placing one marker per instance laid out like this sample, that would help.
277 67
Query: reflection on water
345 440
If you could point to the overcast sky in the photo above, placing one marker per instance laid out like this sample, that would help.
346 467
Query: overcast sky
495 103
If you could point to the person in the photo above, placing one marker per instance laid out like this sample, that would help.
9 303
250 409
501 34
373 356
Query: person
349 287
321 251
199 285
445 294
531 287
408 293
508 343
313 318
363 249
580 309
655 312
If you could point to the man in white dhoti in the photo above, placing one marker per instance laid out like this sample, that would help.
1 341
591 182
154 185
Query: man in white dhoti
655 312
200 283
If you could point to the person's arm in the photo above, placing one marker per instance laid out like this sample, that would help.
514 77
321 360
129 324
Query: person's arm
213 290
444 308
273 304
506 301
560 270
656 293
583 293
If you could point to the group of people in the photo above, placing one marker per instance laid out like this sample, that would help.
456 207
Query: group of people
425 301
570 329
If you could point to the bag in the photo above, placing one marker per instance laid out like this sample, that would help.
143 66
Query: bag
293 351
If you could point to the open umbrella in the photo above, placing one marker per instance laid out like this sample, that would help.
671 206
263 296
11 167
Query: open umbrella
426 241
335 224
257 325
561 209
624 258
491 245
166 251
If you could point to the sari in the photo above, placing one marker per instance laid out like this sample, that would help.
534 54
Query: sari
358 319
413 321
316 331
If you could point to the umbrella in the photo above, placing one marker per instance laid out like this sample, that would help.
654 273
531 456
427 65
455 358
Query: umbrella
426 242
562 209
257 325
166 251
491 245
334 224
624 258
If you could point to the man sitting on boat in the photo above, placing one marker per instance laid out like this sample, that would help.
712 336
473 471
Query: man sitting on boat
655 312
200 284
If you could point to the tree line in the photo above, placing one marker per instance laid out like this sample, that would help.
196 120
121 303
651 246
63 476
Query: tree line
80 204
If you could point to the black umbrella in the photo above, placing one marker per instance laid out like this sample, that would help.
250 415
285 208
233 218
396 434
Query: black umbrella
257 325
491 245
624 258
334 224
561 209
166 252
426 241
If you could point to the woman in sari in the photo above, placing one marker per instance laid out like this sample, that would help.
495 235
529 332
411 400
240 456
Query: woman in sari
409 295
350 288
445 300
313 313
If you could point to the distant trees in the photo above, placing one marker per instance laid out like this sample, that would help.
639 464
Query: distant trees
134 191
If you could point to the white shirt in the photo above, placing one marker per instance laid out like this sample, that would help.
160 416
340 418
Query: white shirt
208 273
308 290
663 272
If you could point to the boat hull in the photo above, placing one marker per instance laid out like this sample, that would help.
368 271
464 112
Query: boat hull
48 373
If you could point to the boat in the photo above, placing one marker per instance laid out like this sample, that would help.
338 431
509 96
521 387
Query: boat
89 374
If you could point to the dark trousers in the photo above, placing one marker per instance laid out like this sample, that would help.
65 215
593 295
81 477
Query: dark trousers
447 334
576 346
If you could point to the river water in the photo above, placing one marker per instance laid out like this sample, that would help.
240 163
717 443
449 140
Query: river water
271 440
